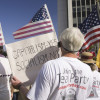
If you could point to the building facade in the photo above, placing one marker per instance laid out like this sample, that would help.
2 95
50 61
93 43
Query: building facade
73 12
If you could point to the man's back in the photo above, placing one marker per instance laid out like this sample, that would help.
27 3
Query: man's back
65 78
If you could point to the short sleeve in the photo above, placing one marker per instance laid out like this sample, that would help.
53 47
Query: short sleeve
41 88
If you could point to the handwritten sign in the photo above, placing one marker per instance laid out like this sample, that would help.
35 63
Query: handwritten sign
26 57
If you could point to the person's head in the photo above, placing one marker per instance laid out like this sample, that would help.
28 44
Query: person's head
71 39
87 58
1 49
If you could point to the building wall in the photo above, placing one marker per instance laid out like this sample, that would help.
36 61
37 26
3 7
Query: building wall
81 9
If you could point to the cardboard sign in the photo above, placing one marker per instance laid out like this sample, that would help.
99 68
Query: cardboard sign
26 57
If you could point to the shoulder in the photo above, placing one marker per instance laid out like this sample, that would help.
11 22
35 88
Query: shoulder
52 63
86 66
96 72
4 60
50 66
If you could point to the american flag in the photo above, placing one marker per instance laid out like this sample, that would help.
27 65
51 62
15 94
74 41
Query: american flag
2 42
40 24
91 29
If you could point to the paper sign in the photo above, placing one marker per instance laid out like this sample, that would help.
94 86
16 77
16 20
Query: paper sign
26 57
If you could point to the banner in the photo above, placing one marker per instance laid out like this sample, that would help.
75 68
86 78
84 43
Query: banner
26 57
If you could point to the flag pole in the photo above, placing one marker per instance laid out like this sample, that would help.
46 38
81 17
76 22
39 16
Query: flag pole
98 8
97 58
50 18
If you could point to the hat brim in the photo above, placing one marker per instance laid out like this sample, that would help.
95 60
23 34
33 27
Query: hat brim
89 61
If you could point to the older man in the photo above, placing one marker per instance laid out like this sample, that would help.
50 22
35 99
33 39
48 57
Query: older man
65 78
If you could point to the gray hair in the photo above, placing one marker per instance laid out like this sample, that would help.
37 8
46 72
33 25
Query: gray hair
72 39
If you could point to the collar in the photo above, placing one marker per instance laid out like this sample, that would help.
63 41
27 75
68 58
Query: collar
70 55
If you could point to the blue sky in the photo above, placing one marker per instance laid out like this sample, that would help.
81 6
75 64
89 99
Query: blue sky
16 13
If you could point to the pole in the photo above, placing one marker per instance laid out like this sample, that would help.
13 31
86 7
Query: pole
98 9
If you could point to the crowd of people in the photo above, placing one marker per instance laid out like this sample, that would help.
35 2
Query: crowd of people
68 77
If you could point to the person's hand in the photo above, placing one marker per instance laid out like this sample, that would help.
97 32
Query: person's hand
16 83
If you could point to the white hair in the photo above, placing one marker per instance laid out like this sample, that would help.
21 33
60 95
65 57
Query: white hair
72 39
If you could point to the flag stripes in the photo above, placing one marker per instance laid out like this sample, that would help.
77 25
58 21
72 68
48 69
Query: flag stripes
2 42
35 24
92 37
33 29
0 39
91 29
24 36
40 24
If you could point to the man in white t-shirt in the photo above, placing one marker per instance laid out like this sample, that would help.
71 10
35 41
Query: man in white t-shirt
5 73
87 57
65 78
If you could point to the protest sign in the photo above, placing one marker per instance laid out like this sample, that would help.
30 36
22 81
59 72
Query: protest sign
26 57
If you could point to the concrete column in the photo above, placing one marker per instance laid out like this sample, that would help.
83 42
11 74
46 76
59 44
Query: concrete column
70 14
64 15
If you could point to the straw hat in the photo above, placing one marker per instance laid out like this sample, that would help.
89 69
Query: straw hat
87 57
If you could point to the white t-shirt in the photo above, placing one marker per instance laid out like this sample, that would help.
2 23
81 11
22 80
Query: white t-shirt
5 71
95 93
64 78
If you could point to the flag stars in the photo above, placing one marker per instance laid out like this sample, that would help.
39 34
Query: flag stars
41 15
91 21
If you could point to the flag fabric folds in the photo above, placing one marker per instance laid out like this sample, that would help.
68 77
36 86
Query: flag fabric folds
91 29
40 24
2 42
98 59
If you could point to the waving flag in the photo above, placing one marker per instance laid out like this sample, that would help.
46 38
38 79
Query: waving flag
2 42
91 29
40 24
